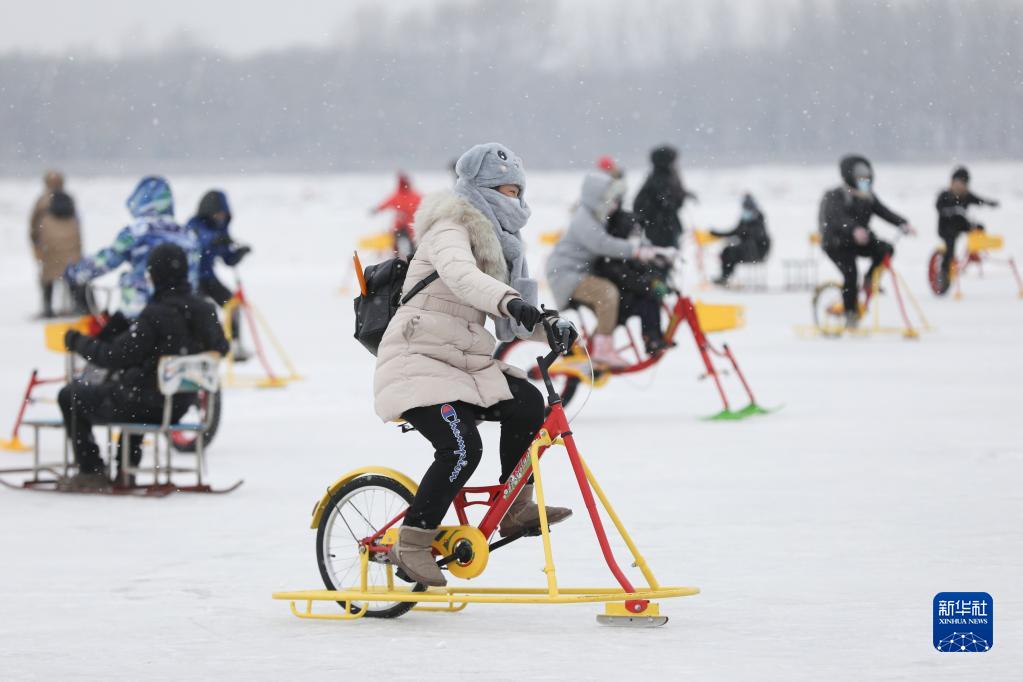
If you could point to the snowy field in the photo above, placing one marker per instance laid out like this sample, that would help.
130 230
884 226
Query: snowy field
818 535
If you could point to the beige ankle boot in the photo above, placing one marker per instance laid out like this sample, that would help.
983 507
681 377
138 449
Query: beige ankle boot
412 554
524 514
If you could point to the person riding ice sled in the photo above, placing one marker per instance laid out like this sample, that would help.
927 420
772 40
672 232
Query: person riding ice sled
571 268
210 227
404 203
661 198
844 222
174 322
152 207
953 220
748 241
641 285
435 365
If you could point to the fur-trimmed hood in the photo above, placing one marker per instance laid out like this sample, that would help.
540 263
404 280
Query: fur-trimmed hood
486 247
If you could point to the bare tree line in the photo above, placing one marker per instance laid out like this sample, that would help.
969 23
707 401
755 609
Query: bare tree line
907 80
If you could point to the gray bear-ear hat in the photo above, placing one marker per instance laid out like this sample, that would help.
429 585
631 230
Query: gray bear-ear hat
491 165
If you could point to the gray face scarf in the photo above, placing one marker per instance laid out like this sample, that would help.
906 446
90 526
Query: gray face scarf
481 169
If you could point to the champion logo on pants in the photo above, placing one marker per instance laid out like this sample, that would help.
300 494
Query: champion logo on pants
448 414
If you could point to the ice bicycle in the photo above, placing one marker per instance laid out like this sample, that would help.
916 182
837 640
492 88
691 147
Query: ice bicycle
358 519
701 319
829 309
979 247
196 376
206 409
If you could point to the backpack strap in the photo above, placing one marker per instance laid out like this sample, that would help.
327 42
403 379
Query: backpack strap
420 285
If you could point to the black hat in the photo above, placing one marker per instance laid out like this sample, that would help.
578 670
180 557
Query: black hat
212 202
62 205
961 174
168 267
664 156
853 166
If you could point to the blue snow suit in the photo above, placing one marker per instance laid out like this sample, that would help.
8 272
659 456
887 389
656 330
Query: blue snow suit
213 238
152 207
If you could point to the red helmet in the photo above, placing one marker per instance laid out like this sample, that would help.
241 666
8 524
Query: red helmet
606 163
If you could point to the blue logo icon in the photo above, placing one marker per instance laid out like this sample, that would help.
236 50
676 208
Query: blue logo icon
963 622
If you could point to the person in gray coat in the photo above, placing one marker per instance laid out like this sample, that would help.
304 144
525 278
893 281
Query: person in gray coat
570 267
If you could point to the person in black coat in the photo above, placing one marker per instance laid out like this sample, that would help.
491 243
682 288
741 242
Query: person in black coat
642 285
174 322
952 208
661 198
748 241
844 222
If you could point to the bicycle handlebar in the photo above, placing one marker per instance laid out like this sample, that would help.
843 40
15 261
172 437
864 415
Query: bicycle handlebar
561 336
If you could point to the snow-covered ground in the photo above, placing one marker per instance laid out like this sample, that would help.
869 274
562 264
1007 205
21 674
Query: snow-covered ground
818 535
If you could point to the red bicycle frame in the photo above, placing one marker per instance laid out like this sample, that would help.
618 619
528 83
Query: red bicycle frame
500 497
685 311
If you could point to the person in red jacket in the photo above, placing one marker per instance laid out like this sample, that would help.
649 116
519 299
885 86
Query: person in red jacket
404 203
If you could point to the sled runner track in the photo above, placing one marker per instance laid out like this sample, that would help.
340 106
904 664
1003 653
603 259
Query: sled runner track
156 490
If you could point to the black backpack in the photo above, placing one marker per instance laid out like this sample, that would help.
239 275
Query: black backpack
378 304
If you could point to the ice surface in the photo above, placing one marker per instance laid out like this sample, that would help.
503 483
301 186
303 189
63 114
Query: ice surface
819 535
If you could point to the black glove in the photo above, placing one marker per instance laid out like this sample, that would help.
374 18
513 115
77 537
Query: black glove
523 313
562 335
242 251
71 338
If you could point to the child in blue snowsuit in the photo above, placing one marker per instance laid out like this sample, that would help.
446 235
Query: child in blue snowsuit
152 207
210 227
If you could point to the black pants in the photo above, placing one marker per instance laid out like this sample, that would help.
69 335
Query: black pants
214 289
950 237
77 294
451 429
647 309
844 257
733 254
47 299
85 405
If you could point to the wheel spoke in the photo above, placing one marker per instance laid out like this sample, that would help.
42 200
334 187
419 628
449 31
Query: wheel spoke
375 505
345 521
352 505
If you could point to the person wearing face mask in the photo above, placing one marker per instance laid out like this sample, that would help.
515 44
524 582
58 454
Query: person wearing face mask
571 268
151 205
844 222
435 364
953 220
210 226
748 241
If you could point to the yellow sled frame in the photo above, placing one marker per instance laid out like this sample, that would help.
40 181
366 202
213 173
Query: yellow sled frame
875 326
619 603
258 323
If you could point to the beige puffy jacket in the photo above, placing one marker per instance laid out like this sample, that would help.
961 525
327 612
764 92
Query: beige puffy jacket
435 349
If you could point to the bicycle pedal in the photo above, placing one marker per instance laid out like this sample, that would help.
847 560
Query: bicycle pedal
400 573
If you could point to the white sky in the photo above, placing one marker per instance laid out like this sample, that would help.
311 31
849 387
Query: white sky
117 26
239 27
243 27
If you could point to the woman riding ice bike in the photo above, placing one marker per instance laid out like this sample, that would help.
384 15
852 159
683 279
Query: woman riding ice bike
435 364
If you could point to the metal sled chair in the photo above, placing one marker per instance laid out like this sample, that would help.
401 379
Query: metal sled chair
176 375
